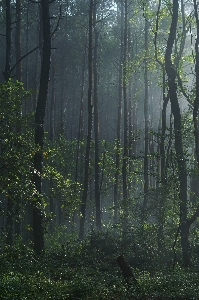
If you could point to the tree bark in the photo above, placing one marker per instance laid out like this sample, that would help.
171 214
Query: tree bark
125 151
38 218
89 134
6 72
196 101
96 121
18 41
146 122
119 117
182 172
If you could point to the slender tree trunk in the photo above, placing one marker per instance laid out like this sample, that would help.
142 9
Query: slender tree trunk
88 143
52 132
27 49
163 165
125 151
163 170
9 221
119 116
96 122
9 211
18 41
38 218
18 225
61 130
80 133
6 72
182 172
196 102
52 100
146 122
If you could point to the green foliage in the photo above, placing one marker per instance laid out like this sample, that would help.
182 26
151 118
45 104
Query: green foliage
59 170
17 144
88 270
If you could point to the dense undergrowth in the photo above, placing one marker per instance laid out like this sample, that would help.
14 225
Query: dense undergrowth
88 270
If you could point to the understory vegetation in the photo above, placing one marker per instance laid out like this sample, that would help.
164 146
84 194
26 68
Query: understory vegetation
88 270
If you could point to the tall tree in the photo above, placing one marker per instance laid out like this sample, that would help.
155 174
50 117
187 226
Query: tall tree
163 167
8 41
196 102
18 41
125 100
146 113
175 108
89 126
38 218
9 213
96 119
120 7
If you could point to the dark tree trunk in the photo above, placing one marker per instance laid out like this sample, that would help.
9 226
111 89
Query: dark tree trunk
18 41
38 218
163 171
163 166
9 221
125 151
79 155
146 123
6 72
52 100
119 116
182 172
10 212
18 226
96 122
27 49
196 102
52 132
88 143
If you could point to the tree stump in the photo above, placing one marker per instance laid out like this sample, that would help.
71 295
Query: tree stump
126 269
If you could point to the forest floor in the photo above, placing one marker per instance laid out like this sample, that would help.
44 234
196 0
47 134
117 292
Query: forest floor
87 272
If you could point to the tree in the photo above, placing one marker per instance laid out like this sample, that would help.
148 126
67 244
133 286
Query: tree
8 41
90 118
38 218
96 119
119 116
125 146
146 114
18 41
180 157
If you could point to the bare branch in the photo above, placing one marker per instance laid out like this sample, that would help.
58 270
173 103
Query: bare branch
24 56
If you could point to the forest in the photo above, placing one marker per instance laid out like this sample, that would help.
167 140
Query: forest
99 149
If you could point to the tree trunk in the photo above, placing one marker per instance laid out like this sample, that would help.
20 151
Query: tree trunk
6 72
38 218
51 123
163 171
18 225
18 41
96 122
182 172
146 122
119 116
196 101
9 221
79 155
125 151
87 157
